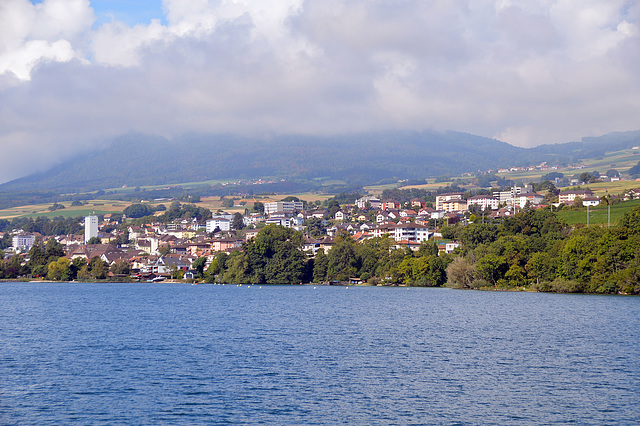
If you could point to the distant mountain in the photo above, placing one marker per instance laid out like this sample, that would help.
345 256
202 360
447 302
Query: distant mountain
358 159
137 160
588 147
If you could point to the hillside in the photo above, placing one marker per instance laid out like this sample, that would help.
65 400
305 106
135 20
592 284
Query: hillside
587 148
356 160
137 160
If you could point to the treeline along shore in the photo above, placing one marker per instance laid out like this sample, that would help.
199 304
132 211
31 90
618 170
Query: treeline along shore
533 250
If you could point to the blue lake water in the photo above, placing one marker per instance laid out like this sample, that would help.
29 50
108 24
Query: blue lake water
206 354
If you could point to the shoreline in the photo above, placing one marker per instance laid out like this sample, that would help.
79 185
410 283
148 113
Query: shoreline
175 281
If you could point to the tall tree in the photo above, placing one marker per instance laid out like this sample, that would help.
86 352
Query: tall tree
320 266
274 256
198 266
343 261
98 268
53 250
237 223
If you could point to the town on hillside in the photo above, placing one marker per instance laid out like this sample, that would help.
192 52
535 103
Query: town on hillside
169 249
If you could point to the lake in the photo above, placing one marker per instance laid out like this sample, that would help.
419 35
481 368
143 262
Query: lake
208 354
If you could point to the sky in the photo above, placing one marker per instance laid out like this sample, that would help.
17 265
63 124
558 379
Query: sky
75 73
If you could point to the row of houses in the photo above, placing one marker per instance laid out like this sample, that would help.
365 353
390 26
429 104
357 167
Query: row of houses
516 197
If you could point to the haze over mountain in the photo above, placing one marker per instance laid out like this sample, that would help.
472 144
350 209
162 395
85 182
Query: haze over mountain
357 159
77 73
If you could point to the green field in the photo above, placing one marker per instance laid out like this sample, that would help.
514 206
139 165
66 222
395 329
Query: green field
608 188
599 214
101 207
377 189
618 160
186 185
34 210
69 213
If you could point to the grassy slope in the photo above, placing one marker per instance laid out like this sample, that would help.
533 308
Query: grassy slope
620 160
599 214
612 188
108 206
35 210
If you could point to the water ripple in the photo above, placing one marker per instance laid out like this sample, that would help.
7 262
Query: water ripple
174 354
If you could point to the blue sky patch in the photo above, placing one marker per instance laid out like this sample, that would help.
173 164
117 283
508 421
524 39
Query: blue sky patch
127 11
131 12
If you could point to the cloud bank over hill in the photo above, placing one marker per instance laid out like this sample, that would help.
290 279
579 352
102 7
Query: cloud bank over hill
520 71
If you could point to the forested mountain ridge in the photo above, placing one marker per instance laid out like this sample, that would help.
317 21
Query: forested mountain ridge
589 147
137 160
357 159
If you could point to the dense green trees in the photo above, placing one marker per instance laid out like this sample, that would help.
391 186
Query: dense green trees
258 207
41 255
635 170
60 270
198 266
342 259
55 206
320 265
184 211
404 196
136 211
237 223
274 256
121 267
429 270
534 248
43 225
314 227
98 268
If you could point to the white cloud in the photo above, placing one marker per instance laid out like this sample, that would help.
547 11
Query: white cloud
45 31
525 72
117 44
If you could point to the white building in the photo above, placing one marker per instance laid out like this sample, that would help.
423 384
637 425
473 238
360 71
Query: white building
218 222
283 206
341 216
90 228
454 205
411 232
23 241
252 219
529 197
568 197
223 215
288 222
437 214
486 202
591 201
373 202
441 199
507 197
